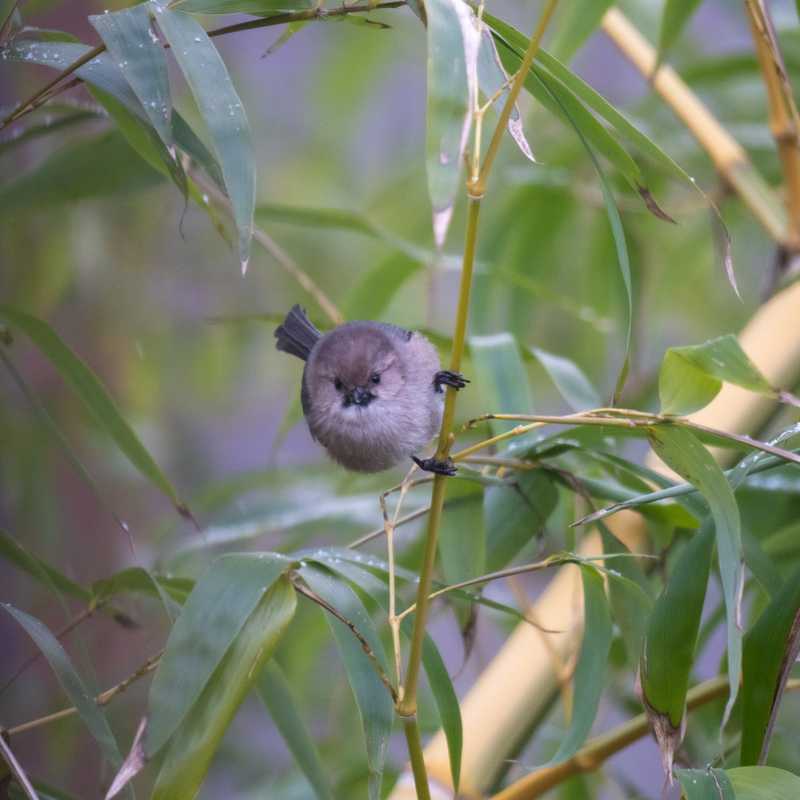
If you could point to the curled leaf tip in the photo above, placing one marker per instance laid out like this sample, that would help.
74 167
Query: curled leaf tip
245 264
652 206
132 764
441 222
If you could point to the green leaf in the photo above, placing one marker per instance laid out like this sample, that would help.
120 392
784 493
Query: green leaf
682 451
764 783
705 784
275 692
141 59
373 700
14 553
569 379
674 18
770 650
590 671
515 514
189 754
501 378
692 376
578 23
453 43
222 112
218 608
88 710
671 639
138 580
93 395
95 166
255 7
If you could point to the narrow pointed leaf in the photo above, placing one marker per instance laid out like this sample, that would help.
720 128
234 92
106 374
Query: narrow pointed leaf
93 395
215 612
578 23
569 379
275 692
592 664
74 687
764 783
141 59
674 18
670 642
191 749
705 784
770 651
373 699
222 112
453 42
682 451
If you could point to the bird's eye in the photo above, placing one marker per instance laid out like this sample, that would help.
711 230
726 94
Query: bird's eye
375 377
338 385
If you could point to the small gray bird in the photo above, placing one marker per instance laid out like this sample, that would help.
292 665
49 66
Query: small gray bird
372 393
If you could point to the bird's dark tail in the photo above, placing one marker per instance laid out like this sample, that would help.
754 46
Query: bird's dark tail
296 335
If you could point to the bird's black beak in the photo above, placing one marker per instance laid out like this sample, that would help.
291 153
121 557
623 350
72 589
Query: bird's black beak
358 397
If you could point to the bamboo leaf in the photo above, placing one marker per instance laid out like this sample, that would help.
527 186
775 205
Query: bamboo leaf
211 620
453 43
764 783
682 451
373 699
592 664
704 784
674 18
569 379
770 651
222 112
140 57
670 642
275 692
90 713
579 22
191 749
94 397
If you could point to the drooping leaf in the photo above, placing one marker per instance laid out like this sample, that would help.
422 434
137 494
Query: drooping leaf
705 784
578 23
139 580
191 749
592 664
256 7
275 692
764 783
90 713
515 514
93 395
681 450
453 43
141 59
674 18
372 697
770 651
218 608
222 112
692 376
569 379
670 642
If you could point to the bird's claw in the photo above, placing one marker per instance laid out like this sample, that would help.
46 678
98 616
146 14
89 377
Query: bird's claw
447 378
446 467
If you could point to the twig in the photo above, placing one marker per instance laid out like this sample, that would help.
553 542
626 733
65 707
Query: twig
55 87
276 251
726 153
102 699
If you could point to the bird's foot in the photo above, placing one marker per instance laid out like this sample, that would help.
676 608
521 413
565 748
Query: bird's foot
446 378
446 467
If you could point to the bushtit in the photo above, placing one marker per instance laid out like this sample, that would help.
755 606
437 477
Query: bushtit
372 393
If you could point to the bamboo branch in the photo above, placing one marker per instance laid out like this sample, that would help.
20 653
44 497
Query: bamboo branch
726 153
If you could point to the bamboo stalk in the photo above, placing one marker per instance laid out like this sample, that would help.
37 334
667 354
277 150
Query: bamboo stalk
727 154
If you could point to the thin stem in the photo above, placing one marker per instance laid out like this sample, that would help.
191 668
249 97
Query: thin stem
479 187
102 699
51 89
408 705
276 251
596 751
414 742
368 537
